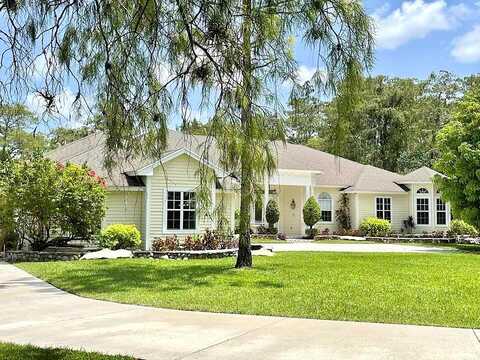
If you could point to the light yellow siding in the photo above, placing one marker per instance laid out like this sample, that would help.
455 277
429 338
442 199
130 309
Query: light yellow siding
400 207
180 174
125 207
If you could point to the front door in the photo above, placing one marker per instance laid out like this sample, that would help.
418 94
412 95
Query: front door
292 210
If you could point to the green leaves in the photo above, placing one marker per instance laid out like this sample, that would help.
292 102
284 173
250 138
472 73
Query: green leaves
459 146
311 212
43 199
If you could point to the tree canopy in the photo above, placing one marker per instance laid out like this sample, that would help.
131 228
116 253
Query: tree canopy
459 148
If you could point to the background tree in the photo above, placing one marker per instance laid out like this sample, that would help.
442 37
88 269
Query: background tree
459 148
272 213
145 58
18 135
311 214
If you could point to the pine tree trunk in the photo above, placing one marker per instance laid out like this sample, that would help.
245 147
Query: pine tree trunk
244 258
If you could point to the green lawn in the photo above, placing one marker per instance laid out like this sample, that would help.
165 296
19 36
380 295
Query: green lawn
23 352
433 289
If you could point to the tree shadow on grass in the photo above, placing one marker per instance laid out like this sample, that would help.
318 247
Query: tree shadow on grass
127 275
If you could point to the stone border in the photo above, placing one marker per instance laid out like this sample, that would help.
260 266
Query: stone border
186 254
417 239
41 256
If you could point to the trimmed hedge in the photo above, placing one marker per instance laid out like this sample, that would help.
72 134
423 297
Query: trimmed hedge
120 236
372 226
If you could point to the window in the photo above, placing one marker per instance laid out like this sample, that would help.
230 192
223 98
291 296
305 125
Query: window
258 210
423 209
326 206
441 212
181 210
384 208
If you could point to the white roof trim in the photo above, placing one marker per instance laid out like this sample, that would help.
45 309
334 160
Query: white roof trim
148 170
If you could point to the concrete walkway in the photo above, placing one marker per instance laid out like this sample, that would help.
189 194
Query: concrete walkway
34 312
376 248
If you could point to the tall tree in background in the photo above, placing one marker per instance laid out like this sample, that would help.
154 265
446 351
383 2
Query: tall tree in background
459 161
18 135
145 58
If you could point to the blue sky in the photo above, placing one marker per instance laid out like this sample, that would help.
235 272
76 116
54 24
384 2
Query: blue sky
416 37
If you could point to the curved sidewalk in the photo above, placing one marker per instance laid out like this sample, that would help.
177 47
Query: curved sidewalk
35 312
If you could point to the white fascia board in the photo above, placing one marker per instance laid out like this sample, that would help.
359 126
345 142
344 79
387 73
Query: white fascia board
148 170
125 188
375 192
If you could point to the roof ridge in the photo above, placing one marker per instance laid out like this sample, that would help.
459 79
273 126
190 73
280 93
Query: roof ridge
69 144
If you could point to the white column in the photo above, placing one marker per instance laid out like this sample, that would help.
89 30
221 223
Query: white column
147 205
265 199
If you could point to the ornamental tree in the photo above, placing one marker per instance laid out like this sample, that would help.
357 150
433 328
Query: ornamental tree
272 213
44 201
148 59
311 213
459 147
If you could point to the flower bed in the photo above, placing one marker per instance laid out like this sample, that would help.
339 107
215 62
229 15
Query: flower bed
186 254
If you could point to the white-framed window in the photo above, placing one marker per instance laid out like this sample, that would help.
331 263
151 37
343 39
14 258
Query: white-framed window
181 210
325 202
422 203
383 208
441 212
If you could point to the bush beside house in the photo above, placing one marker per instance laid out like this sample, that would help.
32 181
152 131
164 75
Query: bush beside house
120 236
460 227
45 203
272 215
311 215
373 226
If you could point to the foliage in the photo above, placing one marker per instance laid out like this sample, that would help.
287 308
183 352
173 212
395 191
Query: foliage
458 143
272 213
120 236
460 227
233 54
390 123
311 233
371 226
409 224
43 200
311 212
18 134
404 286
170 243
282 236
343 213
266 230
61 136
80 201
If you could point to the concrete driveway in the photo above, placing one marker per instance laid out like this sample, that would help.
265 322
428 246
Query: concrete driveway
376 248
35 312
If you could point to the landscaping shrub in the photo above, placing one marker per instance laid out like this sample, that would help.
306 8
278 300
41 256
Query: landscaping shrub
262 230
120 236
372 226
272 215
41 199
210 240
193 243
170 243
408 224
282 236
460 227
311 213
343 213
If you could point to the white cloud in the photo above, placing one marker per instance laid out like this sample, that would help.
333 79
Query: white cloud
305 73
415 20
466 48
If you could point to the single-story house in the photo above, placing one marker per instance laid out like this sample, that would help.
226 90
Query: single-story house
158 196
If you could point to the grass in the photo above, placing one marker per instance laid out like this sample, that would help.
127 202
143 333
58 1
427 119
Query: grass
22 352
427 289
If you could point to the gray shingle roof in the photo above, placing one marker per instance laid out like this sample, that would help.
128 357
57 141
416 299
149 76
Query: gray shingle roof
335 171
421 175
